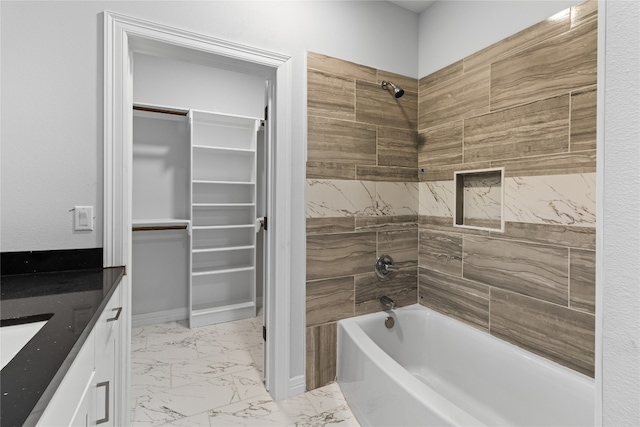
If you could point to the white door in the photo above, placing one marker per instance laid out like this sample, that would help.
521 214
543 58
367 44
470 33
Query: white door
263 204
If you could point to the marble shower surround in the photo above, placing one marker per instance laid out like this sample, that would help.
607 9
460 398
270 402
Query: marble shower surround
528 104
346 198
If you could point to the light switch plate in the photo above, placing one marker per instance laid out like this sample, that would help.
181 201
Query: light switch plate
83 218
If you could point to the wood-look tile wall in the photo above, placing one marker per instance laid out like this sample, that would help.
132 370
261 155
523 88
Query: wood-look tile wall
528 104
354 127
362 199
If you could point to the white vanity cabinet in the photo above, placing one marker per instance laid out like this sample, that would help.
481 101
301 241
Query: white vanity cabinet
75 394
92 392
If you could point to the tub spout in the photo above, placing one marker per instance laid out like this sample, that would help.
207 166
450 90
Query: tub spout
387 302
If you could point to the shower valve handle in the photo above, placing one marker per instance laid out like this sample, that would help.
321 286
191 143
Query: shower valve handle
384 266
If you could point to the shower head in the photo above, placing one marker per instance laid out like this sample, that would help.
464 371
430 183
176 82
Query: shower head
397 91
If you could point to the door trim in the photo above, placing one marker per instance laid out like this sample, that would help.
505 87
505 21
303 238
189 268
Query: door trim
125 35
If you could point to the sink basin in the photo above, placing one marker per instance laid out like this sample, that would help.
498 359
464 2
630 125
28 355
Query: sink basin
16 333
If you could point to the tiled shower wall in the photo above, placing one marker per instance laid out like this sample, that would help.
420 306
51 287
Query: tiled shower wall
361 199
528 104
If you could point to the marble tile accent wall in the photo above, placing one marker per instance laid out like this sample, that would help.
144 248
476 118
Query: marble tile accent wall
528 104
362 199
541 199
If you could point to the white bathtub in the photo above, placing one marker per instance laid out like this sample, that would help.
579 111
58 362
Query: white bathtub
431 370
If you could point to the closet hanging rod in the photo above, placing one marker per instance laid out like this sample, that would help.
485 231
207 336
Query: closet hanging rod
159 227
160 110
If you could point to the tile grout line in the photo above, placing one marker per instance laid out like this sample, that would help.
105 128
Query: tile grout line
462 142
462 258
569 124
569 277
489 313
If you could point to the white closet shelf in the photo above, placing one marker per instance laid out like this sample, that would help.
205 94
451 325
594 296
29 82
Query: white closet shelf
246 151
223 270
223 205
200 181
222 249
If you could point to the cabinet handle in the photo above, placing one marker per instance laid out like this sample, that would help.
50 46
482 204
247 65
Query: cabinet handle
104 384
117 316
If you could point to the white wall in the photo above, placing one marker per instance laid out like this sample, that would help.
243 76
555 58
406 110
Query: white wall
451 30
620 241
172 83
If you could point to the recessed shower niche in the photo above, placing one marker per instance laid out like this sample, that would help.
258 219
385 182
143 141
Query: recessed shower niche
479 199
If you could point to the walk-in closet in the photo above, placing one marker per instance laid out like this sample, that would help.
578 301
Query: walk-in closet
199 192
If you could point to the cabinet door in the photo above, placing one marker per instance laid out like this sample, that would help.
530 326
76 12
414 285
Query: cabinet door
106 385
83 415
108 343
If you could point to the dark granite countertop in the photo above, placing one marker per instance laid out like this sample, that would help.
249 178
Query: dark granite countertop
74 301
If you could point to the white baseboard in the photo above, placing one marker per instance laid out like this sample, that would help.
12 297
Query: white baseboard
156 317
297 385
227 313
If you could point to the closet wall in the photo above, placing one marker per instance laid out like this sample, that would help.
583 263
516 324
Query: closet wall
161 175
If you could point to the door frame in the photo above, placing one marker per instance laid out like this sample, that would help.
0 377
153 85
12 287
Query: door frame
124 36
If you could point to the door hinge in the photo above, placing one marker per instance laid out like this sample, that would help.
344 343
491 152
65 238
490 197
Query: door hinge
264 224
264 333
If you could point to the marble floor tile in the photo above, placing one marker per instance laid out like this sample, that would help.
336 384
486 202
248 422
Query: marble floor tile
226 346
257 353
198 420
167 353
138 342
248 383
160 328
180 402
210 366
327 398
240 339
149 378
213 376
262 411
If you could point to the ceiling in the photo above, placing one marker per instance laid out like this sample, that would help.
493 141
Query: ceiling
415 5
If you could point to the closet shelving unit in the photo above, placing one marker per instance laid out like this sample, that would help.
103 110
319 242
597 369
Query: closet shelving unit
223 217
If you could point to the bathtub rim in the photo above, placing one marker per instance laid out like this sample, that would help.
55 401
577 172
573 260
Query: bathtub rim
352 327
